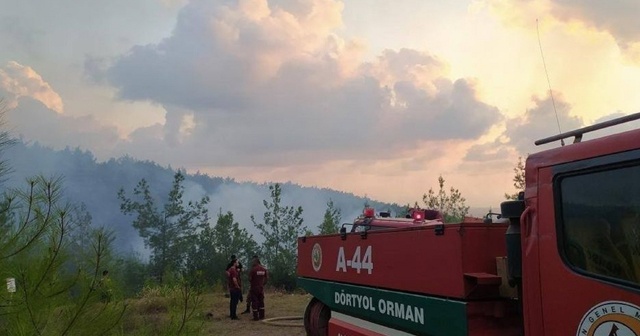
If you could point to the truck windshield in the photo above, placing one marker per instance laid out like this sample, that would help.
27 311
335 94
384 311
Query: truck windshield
600 227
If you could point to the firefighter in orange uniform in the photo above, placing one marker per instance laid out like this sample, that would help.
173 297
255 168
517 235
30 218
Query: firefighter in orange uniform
257 278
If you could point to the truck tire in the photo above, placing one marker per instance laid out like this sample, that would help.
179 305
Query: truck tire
316 318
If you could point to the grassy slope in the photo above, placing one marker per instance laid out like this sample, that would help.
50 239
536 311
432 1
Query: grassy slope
276 305
151 315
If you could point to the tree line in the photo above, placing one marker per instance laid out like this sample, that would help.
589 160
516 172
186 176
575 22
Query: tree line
184 244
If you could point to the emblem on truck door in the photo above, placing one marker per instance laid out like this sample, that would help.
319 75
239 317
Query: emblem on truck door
611 318
316 257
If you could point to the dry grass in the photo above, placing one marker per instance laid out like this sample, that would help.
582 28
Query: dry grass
151 315
276 305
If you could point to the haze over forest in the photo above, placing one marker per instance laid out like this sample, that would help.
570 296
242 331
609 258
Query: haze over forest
95 184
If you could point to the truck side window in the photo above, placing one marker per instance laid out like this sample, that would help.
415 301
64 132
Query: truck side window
600 222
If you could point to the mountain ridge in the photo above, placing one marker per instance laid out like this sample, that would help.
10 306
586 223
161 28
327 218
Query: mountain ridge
95 184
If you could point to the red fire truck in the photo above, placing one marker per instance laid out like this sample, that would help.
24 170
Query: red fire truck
566 262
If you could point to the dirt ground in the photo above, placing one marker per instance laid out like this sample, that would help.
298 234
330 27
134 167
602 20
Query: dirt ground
276 305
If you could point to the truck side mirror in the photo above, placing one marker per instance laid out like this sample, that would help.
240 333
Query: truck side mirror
343 233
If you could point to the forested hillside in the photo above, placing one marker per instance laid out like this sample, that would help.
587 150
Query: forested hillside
95 184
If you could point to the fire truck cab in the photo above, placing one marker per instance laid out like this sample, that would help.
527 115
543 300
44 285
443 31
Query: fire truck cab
566 263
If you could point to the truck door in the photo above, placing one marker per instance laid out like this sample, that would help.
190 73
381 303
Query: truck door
588 233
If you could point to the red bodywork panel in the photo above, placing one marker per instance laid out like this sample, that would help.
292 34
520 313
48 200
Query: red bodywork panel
556 298
459 263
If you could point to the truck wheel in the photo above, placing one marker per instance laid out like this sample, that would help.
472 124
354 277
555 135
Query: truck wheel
316 318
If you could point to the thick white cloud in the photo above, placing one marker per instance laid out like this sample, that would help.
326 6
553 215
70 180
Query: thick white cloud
271 83
55 37
62 29
32 120
34 112
619 19
17 80
541 121
521 132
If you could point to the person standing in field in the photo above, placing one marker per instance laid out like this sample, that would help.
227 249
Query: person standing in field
226 275
235 292
239 268
257 278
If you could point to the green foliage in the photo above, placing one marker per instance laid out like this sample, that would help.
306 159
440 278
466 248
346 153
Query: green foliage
54 295
518 180
451 205
170 233
82 240
230 239
281 228
331 221
215 245
183 308
130 272
165 310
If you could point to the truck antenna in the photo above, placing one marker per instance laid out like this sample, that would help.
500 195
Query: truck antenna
548 82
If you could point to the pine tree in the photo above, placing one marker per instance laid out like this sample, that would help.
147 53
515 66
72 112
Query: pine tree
216 245
451 205
169 233
331 221
54 293
47 293
281 228
518 180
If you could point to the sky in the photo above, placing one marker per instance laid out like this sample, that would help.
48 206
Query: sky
377 98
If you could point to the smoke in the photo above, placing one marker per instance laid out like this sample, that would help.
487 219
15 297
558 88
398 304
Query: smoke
96 184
